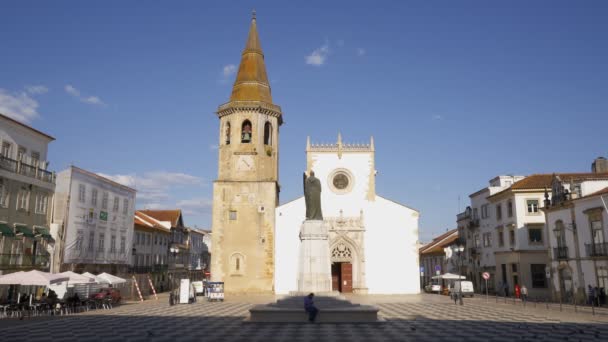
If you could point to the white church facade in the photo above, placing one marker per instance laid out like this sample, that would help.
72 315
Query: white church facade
373 241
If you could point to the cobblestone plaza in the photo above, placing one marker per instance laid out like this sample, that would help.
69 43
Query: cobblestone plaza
406 318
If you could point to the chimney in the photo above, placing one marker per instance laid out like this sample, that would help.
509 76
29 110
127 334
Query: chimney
599 165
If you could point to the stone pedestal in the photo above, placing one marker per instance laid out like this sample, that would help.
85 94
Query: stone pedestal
314 265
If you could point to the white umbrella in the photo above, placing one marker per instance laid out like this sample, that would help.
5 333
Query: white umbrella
76 278
97 279
35 277
112 279
449 276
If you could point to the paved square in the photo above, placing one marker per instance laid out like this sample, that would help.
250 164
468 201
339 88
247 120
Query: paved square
408 318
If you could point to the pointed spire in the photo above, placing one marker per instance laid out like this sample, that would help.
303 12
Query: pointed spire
251 80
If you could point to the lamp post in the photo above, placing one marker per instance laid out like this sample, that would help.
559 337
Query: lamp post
173 251
133 254
459 250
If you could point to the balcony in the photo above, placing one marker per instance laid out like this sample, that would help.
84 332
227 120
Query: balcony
148 269
24 262
560 253
474 223
597 249
24 169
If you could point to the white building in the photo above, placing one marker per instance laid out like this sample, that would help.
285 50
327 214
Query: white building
373 241
93 219
26 193
577 220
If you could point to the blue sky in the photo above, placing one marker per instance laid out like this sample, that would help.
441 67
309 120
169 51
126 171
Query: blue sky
454 92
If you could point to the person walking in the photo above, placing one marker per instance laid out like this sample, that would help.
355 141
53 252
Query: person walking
596 298
309 307
524 293
590 294
506 289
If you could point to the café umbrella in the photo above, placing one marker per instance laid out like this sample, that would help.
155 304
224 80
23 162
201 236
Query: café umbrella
32 278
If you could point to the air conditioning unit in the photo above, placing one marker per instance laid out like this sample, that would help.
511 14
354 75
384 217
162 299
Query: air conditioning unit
261 209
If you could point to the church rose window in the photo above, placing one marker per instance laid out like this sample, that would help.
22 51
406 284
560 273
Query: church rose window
340 181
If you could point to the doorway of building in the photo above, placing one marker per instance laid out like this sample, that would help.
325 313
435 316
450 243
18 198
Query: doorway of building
342 277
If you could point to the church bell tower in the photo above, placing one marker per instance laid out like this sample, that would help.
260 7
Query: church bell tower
246 191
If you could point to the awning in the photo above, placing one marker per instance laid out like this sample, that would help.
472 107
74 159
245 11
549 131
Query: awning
5 230
27 232
44 232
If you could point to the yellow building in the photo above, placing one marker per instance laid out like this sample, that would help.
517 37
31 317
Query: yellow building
246 191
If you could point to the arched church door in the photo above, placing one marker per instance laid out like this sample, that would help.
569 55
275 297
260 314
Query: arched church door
341 269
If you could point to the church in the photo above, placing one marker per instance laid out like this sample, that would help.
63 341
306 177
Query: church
373 241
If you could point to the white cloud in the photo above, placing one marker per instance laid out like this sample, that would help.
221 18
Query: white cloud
229 70
37 89
319 56
360 51
155 186
195 206
20 106
72 91
94 100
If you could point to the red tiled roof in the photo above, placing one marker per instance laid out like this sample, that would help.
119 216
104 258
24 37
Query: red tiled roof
540 181
440 242
146 221
165 215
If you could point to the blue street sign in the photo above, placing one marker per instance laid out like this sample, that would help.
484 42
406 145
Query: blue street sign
438 268
421 269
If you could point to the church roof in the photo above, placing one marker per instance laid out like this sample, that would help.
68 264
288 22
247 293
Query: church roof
251 80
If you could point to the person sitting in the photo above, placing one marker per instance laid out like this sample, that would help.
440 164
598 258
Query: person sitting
309 307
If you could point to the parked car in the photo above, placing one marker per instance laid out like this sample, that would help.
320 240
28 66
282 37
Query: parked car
107 293
467 288
433 287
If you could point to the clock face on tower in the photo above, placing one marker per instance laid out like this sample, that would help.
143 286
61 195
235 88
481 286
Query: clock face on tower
245 163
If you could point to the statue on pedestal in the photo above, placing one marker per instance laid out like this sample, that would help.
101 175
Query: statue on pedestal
312 197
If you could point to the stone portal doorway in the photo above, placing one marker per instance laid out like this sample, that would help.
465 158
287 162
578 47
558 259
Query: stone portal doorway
342 277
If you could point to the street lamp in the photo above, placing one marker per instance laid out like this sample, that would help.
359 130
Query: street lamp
133 254
459 250
174 251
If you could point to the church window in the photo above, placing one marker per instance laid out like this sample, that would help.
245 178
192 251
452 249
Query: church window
268 134
237 264
246 132
232 215
340 181
341 253
227 133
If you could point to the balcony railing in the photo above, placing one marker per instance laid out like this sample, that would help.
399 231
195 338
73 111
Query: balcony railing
24 169
561 253
148 269
597 249
474 223
24 261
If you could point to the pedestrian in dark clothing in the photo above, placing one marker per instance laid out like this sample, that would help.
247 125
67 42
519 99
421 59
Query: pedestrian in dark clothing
590 294
506 288
596 299
602 296
309 307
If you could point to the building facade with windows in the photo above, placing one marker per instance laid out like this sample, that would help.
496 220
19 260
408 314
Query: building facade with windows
199 253
433 259
150 251
518 226
476 228
93 221
576 215
26 194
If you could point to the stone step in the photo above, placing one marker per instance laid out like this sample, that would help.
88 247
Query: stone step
331 310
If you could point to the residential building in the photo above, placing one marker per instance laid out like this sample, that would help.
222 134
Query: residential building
179 261
93 217
26 194
576 215
477 228
150 251
198 254
433 259
518 223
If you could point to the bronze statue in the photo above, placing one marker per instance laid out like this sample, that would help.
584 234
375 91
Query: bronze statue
312 197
